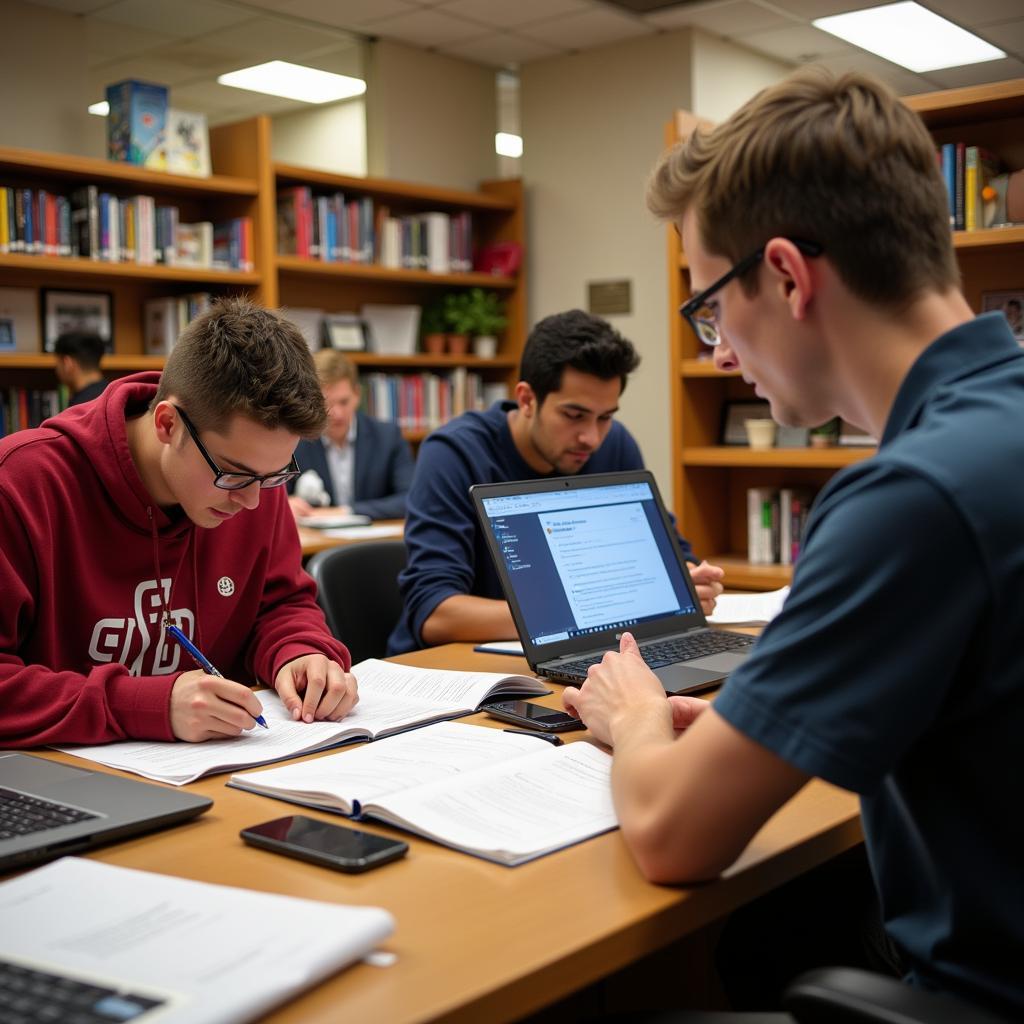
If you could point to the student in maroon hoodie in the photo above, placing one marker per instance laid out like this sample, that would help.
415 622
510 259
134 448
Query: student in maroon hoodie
114 517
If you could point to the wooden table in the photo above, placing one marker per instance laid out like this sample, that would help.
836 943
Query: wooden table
313 540
476 941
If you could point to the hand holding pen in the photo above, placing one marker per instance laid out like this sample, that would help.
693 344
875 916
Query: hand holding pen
203 708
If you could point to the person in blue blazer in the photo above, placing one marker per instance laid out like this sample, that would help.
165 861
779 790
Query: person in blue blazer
359 464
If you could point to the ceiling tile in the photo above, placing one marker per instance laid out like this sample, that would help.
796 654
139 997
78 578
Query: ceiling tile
977 74
348 14
722 19
200 56
590 28
977 12
1007 36
502 14
811 9
203 99
145 68
902 81
105 40
425 28
500 49
263 39
71 6
181 18
797 43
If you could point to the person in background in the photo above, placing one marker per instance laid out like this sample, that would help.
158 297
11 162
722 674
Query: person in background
359 464
562 422
816 226
162 502
78 356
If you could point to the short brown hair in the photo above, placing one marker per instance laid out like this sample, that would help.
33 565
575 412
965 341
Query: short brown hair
332 366
239 358
835 160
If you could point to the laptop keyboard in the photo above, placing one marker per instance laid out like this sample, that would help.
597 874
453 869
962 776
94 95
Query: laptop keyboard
21 815
28 996
663 652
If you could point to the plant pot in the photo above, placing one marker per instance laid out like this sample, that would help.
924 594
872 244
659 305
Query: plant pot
434 344
458 344
485 346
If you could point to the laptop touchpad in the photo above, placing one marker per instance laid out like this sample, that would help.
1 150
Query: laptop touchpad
681 678
724 662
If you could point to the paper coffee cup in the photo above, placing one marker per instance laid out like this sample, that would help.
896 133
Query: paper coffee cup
760 433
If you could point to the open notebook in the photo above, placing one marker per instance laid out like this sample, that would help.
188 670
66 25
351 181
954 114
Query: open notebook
501 796
392 698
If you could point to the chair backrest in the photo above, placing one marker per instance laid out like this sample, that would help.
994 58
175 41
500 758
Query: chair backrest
357 588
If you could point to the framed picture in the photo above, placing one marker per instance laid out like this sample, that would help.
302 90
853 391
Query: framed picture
65 310
735 414
1011 305
345 332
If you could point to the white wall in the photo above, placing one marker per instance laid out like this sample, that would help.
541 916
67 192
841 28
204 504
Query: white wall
44 87
593 126
329 138
429 118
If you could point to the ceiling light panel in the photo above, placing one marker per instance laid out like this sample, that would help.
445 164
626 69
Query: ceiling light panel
294 82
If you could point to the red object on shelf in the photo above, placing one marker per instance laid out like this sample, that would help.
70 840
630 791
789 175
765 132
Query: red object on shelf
500 258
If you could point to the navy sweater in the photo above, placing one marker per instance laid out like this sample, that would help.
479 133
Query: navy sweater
447 549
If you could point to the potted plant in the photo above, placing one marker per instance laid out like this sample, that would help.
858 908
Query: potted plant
487 311
826 435
459 321
432 328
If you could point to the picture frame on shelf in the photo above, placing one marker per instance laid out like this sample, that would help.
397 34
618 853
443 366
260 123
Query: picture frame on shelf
19 320
64 310
345 332
1011 305
734 417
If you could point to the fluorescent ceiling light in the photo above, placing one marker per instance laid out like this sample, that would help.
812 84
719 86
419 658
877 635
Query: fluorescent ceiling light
508 145
294 82
907 34
101 109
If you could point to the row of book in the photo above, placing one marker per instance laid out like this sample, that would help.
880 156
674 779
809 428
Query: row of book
96 225
424 401
776 519
21 408
330 229
975 187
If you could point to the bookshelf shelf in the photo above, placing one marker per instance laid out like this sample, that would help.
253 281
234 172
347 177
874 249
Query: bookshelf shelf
75 266
371 272
45 361
710 481
35 164
775 458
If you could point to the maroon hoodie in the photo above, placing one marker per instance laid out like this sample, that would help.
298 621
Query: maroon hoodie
82 656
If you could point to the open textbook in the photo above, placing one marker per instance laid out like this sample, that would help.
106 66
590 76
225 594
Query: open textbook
174 950
501 796
392 698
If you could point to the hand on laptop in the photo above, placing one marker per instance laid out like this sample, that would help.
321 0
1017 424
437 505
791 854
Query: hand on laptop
329 692
205 707
708 580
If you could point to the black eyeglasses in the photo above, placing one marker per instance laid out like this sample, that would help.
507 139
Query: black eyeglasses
703 317
238 481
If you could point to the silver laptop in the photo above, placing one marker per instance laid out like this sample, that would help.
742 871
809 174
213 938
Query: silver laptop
583 558
48 809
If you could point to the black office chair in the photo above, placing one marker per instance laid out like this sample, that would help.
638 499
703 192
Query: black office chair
844 995
357 588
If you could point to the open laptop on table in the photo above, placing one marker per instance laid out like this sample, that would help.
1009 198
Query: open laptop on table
583 558
49 809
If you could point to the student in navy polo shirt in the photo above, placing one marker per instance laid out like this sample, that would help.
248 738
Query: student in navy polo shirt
573 370
816 226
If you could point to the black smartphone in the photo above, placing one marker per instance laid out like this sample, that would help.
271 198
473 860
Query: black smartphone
533 716
320 842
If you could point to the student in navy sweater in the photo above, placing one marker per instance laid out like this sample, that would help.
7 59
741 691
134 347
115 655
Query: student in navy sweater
561 422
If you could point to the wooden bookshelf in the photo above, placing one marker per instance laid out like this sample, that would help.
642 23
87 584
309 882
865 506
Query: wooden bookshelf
245 183
710 480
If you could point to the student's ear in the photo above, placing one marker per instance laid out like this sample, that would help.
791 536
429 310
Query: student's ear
791 275
525 398
165 416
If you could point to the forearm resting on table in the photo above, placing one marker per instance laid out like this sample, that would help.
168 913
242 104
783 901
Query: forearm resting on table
468 619
689 804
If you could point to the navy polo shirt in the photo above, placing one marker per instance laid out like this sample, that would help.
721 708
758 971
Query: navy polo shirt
896 667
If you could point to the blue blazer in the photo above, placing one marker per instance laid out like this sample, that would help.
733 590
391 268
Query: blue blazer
383 469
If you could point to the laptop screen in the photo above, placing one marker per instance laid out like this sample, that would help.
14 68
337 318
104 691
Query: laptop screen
587 559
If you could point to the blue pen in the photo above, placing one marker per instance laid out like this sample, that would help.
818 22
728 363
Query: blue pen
201 660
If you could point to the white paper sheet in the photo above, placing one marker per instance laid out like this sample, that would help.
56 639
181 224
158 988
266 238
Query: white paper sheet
218 955
754 609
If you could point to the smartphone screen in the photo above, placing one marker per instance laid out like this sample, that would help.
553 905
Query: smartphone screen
347 849
532 715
